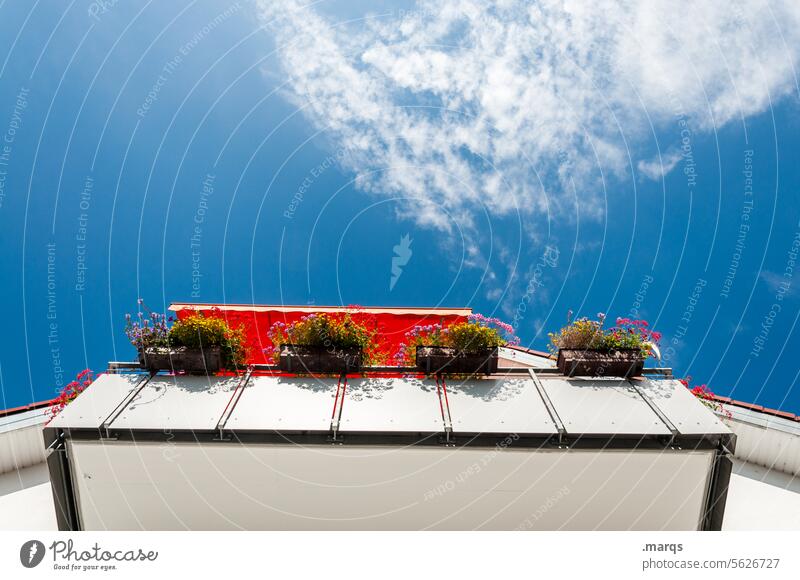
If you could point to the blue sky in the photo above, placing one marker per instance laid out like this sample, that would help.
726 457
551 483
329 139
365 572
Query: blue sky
629 160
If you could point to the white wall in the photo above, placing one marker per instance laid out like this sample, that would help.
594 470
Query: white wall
160 486
21 442
760 499
26 500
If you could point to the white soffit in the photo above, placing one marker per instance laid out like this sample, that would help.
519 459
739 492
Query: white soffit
682 408
502 405
220 486
284 404
601 407
22 420
404 405
181 402
97 402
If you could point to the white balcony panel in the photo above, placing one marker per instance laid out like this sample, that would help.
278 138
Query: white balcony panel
284 404
178 403
602 407
391 405
97 402
682 408
502 405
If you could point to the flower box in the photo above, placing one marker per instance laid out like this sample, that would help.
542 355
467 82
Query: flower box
299 358
625 362
445 359
203 361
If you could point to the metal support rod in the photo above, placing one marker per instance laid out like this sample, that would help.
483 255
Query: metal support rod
551 409
444 406
664 419
338 405
125 402
232 402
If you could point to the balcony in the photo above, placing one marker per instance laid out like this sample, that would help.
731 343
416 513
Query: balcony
524 448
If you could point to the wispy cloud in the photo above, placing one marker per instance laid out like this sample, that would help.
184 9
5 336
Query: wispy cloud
777 284
505 107
658 167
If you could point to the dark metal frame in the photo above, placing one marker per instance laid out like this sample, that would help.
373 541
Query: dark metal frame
61 484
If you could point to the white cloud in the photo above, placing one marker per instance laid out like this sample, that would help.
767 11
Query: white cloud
461 104
659 166
777 283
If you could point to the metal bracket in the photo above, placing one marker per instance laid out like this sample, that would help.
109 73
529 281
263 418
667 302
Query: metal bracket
232 402
121 407
338 405
551 409
659 413
444 407
57 442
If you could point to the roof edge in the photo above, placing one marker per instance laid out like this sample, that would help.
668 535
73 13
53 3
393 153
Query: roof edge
25 408
176 306
757 408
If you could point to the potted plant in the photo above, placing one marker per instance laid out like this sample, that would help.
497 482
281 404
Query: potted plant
323 343
149 331
584 348
201 343
469 347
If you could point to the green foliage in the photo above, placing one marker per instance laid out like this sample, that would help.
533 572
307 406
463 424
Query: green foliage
476 334
199 331
333 331
585 334
470 337
582 334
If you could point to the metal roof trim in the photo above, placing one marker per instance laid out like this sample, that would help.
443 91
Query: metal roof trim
177 306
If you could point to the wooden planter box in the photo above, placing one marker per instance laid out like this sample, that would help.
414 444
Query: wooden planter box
205 361
443 359
627 362
299 358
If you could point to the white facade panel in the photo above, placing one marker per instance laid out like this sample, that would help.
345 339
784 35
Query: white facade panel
155 486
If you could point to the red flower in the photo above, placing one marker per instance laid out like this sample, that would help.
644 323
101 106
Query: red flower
70 391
